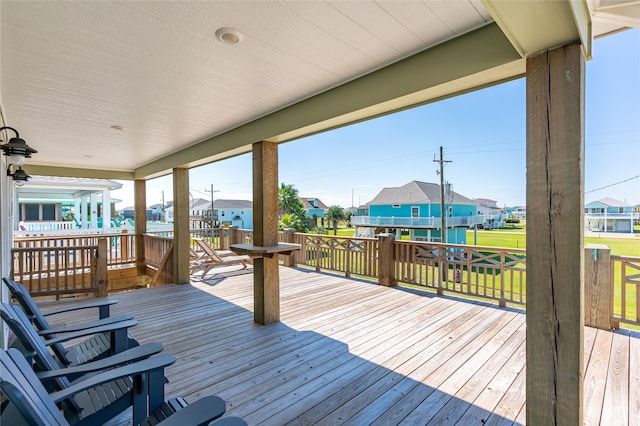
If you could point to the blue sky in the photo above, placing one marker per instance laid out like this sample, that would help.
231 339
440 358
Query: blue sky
483 135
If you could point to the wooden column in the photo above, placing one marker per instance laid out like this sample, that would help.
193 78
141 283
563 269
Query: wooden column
140 219
181 226
385 260
266 279
555 209
598 287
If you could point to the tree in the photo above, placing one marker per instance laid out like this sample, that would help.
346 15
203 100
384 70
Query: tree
335 214
287 199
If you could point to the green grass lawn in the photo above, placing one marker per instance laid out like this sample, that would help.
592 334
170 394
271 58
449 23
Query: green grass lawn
516 238
619 246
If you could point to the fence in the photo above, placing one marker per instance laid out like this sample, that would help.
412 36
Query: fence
351 256
58 270
70 264
488 272
625 278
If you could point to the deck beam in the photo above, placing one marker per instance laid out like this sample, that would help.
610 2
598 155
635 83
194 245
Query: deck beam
555 254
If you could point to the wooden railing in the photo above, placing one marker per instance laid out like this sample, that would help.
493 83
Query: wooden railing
625 279
121 248
58 270
351 256
159 257
488 272
218 238
69 265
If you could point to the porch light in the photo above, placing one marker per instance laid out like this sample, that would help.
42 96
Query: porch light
19 176
16 149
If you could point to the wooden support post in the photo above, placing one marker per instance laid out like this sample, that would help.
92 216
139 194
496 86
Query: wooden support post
289 259
555 216
598 287
124 245
140 219
235 236
266 279
181 236
386 261
101 270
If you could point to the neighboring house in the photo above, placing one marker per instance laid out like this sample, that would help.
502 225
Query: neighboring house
155 212
609 215
415 207
234 213
52 203
494 216
315 209
225 212
519 212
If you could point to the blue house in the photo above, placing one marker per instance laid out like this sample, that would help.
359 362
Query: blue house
315 209
609 215
415 208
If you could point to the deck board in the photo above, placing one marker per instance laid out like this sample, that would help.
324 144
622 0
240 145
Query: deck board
350 352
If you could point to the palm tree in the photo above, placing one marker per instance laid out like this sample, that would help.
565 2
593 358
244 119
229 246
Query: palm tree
287 199
334 214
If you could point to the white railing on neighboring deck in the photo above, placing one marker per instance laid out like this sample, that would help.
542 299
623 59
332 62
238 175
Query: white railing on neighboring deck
416 222
628 215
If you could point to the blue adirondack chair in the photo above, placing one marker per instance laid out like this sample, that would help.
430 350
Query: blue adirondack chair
31 404
35 348
98 346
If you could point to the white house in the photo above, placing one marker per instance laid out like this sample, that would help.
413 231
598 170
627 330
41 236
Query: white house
45 203
494 216
610 215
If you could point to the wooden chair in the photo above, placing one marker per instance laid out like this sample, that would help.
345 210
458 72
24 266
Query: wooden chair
31 404
34 347
210 251
99 346
216 258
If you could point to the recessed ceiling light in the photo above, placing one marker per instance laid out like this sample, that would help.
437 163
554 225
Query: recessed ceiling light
229 35
118 128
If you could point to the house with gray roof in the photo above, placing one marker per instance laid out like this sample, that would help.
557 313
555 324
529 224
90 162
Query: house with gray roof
610 215
416 207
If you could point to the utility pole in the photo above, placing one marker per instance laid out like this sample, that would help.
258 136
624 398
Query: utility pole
443 222
162 220
211 191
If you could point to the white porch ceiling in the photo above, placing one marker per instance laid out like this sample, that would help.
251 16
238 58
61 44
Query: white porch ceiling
72 70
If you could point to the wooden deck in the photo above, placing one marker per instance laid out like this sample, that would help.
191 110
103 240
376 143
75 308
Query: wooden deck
351 352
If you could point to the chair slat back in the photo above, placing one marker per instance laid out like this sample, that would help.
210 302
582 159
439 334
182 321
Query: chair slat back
23 389
30 308
27 335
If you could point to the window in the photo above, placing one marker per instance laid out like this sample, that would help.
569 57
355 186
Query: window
415 211
48 212
32 211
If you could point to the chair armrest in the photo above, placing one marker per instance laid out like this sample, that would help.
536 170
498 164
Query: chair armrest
200 413
83 326
89 331
130 355
136 368
229 421
102 305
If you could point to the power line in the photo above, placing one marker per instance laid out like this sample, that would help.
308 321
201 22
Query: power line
613 184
